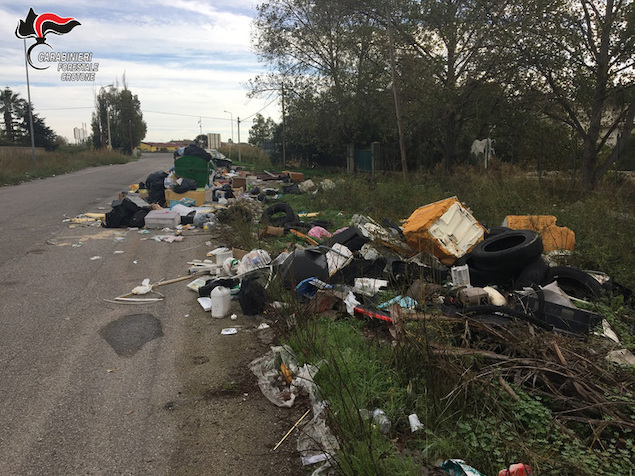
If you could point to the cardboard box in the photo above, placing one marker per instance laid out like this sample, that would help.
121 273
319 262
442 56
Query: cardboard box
554 237
272 231
238 253
197 195
295 176
239 182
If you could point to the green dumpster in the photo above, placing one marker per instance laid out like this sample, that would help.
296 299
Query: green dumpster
195 168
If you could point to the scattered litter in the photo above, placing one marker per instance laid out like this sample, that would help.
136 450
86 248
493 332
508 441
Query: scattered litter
117 252
436 227
233 317
458 467
77 245
262 326
291 430
145 287
229 331
369 285
518 469
378 418
95 258
405 302
168 238
206 303
220 298
621 357
415 423
197 284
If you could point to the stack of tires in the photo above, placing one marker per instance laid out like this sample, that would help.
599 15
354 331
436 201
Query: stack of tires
511 259
507 258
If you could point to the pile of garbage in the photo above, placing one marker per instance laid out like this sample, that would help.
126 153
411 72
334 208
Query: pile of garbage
497 285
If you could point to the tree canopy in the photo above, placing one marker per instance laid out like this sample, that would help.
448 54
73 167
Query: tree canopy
118 118
465 69
261 130
16 123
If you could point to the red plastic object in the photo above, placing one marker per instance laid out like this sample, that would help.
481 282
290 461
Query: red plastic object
518 469
361 312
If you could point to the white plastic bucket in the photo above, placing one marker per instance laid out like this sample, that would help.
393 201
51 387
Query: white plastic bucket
221 299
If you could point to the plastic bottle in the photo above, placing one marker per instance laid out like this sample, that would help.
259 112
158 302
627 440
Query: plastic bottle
221 299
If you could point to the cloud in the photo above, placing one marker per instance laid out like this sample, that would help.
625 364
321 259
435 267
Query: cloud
184 59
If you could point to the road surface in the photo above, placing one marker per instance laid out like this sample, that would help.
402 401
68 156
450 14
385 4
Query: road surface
88 386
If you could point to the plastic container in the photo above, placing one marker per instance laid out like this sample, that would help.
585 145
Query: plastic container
460 276
220 255
221 299
162 218
444 228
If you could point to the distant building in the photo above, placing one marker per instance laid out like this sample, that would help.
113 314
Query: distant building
213 141
163 146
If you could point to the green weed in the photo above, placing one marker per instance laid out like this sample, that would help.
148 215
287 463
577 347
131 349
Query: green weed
17 166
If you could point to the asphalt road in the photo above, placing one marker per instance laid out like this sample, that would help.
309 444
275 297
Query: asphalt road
88 386
70 403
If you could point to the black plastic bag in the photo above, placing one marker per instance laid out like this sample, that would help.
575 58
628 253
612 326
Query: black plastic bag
252 297
185 186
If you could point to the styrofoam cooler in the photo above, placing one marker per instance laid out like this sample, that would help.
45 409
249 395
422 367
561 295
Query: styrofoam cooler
162 219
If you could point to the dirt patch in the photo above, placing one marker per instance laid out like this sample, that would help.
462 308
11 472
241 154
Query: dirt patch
227 426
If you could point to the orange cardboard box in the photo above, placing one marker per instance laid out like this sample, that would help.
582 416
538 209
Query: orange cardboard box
554 237
295 176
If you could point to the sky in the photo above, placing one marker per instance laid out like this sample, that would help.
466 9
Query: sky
188 61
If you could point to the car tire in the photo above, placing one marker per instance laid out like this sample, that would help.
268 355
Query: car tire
279 214
485 277
510 250
533 273
575 282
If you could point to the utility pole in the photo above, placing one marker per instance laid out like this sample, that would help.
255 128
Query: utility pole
284 145
108 121
238 124
231 120
402 143
28 89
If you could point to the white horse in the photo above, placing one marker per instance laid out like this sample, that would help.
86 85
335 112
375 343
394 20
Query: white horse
483 147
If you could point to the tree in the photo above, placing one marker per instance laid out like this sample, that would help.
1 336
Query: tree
261 130
579 58
118 117
201 140
325 69
43 135
15 112
10 102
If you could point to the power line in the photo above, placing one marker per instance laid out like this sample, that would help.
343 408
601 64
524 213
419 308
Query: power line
265 107
65 108
184 115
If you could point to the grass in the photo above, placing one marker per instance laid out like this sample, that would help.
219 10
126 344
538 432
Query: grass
17 165
462 417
